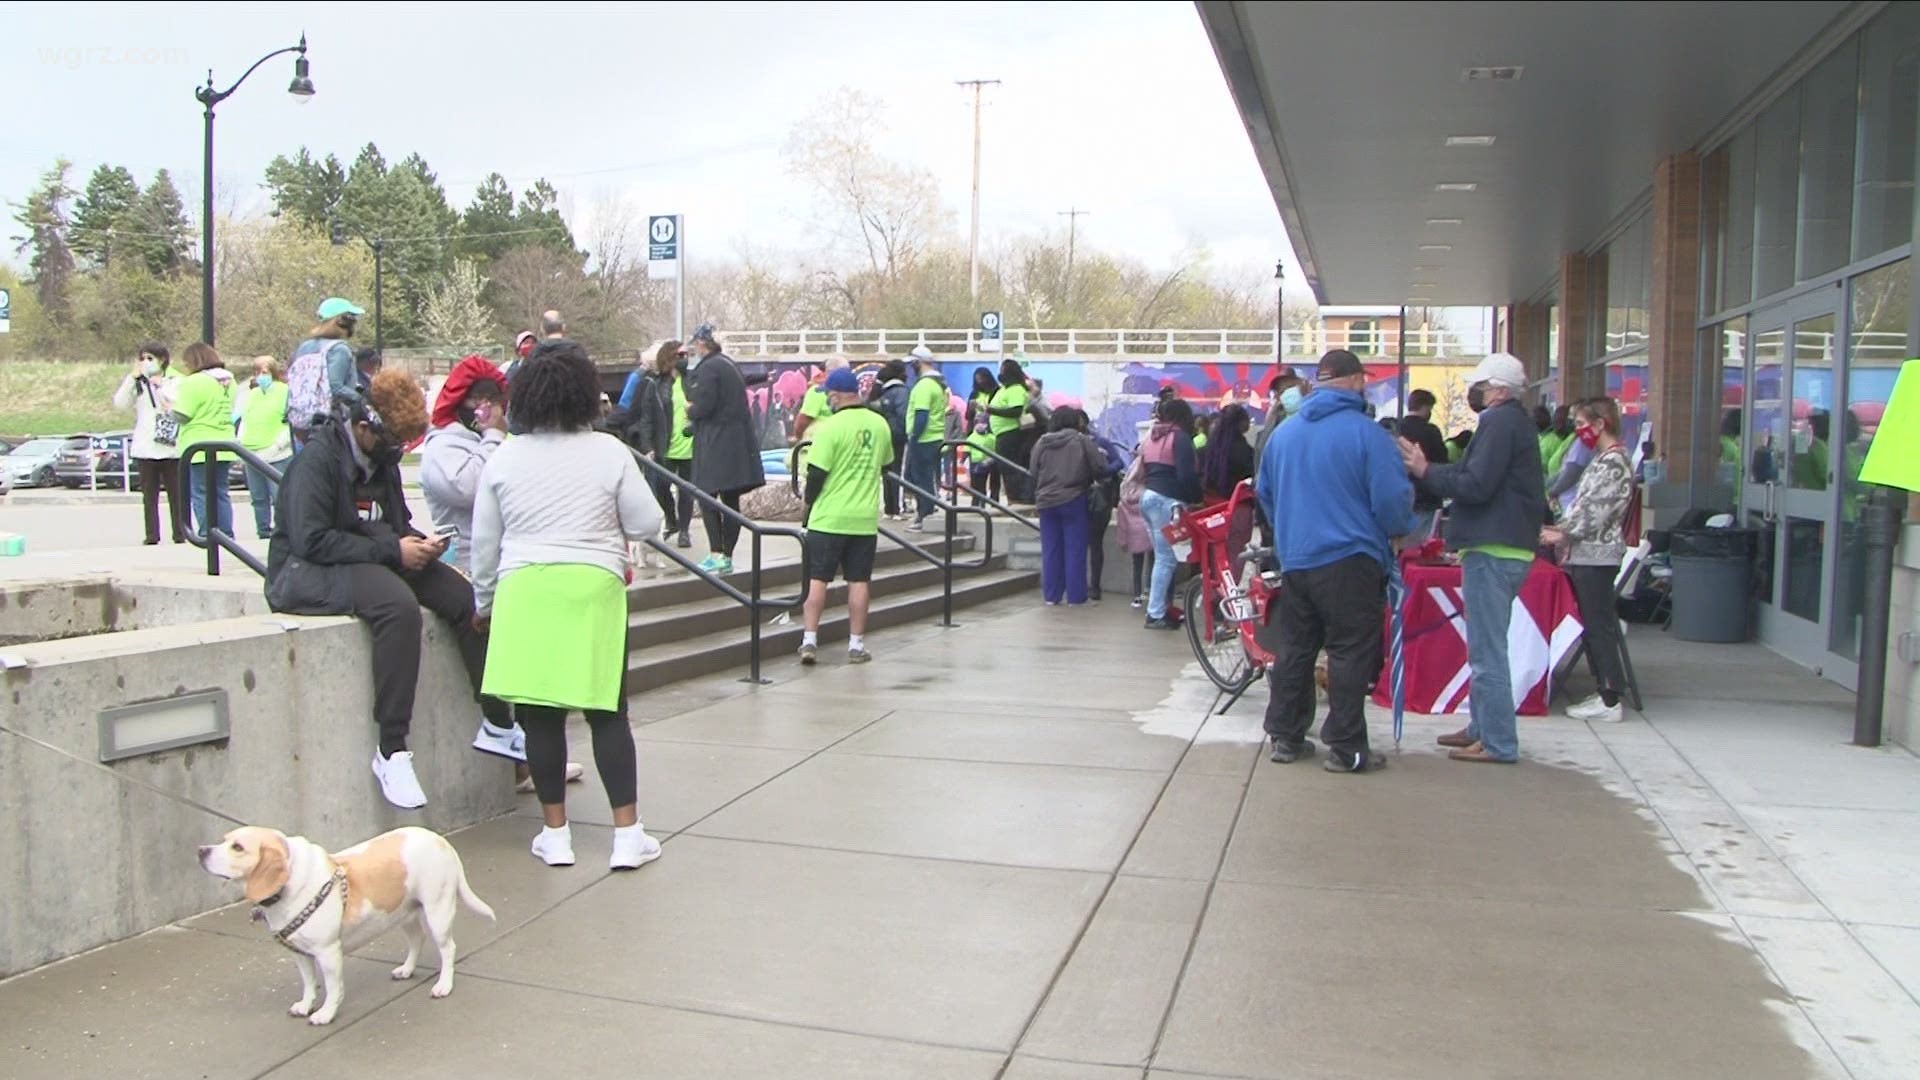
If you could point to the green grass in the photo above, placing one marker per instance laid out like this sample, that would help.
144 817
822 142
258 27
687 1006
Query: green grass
41 398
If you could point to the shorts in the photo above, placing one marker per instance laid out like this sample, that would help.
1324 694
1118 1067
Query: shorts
829 554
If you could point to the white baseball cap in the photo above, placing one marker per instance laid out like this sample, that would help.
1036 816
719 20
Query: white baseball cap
1500 369
921 355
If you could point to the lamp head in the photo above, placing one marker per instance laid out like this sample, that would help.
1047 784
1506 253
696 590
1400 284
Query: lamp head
302 86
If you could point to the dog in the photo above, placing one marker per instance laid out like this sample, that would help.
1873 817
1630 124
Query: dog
323 906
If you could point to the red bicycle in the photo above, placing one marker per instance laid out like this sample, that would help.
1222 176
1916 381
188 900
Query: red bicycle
1227 600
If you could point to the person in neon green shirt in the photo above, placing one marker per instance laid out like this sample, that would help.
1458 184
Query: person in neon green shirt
1004 410
926 429
203 407
680 453
813 404
262 413
850 449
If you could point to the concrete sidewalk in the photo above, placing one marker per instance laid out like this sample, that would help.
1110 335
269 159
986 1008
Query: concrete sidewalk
1018 849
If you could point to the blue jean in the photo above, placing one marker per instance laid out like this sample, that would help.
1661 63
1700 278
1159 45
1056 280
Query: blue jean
1157 510
923 470
1492 585
1063 552
262 491
197 496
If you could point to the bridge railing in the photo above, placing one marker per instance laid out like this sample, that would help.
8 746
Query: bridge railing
1375 342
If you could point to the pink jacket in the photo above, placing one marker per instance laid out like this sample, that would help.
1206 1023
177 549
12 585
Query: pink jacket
1133 534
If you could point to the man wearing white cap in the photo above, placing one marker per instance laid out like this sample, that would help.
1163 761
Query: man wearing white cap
1499 503
926 429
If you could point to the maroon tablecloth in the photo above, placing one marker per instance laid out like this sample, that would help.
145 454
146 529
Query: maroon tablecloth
1545 627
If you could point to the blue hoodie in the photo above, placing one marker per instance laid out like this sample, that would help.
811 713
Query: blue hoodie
1333 485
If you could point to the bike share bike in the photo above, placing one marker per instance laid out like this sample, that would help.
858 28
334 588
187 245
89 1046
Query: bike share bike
1228 598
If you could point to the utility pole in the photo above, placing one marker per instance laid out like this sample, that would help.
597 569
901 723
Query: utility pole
1073 217
973 242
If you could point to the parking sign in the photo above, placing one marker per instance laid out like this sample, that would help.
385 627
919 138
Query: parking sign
989 326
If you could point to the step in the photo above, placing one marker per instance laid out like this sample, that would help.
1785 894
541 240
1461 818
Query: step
685 588
715 613
729 650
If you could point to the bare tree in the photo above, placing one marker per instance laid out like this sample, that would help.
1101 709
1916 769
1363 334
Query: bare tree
881 213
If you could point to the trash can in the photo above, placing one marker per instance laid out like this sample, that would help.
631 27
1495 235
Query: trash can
1713 583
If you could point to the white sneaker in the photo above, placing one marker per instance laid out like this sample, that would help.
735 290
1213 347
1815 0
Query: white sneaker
509 743
574 772
632 848
554 846
1597 710
397 781
1584 705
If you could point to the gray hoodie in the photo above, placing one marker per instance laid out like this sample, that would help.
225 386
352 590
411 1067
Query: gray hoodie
1065 464
450 464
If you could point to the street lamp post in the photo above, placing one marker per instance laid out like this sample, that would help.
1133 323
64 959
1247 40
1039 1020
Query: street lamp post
1279 311
302 89
338 234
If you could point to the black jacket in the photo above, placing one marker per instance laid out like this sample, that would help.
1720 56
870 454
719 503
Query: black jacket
319 528
1423 434
652 415
1499 488
726 446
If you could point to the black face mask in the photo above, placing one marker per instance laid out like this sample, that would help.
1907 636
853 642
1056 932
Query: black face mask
1477 398
680 365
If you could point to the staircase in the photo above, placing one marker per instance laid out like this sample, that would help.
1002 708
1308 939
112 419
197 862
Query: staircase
680 628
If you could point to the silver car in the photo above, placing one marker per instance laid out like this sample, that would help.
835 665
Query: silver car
31 463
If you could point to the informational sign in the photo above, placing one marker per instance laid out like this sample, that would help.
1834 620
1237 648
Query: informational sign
663 247
6 311
989 327
1893 459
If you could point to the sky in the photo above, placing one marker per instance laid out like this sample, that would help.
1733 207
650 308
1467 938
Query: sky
1115 108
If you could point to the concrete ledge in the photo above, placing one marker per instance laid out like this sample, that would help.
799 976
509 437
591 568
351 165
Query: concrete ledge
91 857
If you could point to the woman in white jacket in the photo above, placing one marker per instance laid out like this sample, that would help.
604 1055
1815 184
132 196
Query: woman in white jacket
148 391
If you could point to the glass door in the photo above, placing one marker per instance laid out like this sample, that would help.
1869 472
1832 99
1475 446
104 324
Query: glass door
1790 490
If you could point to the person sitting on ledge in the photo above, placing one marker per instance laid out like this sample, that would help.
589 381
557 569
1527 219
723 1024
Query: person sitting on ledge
344 543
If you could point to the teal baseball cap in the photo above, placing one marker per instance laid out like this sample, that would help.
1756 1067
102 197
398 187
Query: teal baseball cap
333 307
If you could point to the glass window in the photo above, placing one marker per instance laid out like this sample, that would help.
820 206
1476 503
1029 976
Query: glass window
1826 162
1733 225
1360 337
1810 450
1629 274
1776 193
1889 97
1876 346
1717 452
1627 384
1553 340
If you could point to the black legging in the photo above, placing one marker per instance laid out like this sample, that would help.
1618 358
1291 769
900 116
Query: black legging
722 533
1600 617
679 512
613 752
1139 574
892 476
1097 525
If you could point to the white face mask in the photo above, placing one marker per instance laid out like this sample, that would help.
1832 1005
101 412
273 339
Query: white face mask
149 368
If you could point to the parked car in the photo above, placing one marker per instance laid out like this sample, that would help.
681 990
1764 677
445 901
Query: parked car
97 462
32 463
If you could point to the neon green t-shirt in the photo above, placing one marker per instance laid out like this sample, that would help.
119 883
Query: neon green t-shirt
814 404
680 445
207 403
851 447
929 396
264 419
1500 551
1007 397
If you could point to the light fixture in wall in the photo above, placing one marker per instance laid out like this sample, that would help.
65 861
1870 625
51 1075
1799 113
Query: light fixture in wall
1444 221
152 726
1470 140
1425 269
1436 247
1424 285
1419 299
1456 185
1493 73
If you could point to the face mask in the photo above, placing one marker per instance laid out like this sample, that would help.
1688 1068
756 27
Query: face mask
1589 437
263 381
680 365
1477 398
385 454
1290 399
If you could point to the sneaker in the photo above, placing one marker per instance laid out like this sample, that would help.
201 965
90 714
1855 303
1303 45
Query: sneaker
575 773
1093 596
632 848
683 541
1162 624
1596 709
1288 753
554 846
859 656
809 655
919 525
1138 601
397 781
1363 762
509 743
725 566
1053 603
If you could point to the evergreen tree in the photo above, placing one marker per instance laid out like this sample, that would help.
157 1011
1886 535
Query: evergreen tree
44 217
490 213
539 221
163 236
103 214
306 190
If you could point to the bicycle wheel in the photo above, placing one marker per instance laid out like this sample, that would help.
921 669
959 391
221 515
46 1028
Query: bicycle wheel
1223 659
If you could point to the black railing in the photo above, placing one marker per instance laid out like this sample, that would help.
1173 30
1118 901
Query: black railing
1006 466
752 599
949 512
216 539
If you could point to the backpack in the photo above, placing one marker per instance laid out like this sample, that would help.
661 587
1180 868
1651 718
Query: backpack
956 423
308 395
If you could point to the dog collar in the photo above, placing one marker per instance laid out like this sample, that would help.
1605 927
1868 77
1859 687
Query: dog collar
293 926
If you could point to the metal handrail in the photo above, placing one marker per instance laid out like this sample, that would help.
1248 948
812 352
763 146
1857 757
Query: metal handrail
215 539
949 513
983 496
752 599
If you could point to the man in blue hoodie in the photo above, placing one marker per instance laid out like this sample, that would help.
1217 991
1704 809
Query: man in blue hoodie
1334 487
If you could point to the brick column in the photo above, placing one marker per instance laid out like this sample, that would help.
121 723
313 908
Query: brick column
1575 323
1672 339
1527 338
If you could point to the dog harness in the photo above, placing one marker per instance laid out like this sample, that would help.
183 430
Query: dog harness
293 926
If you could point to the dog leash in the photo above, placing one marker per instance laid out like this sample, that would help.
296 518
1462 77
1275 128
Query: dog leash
123 777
